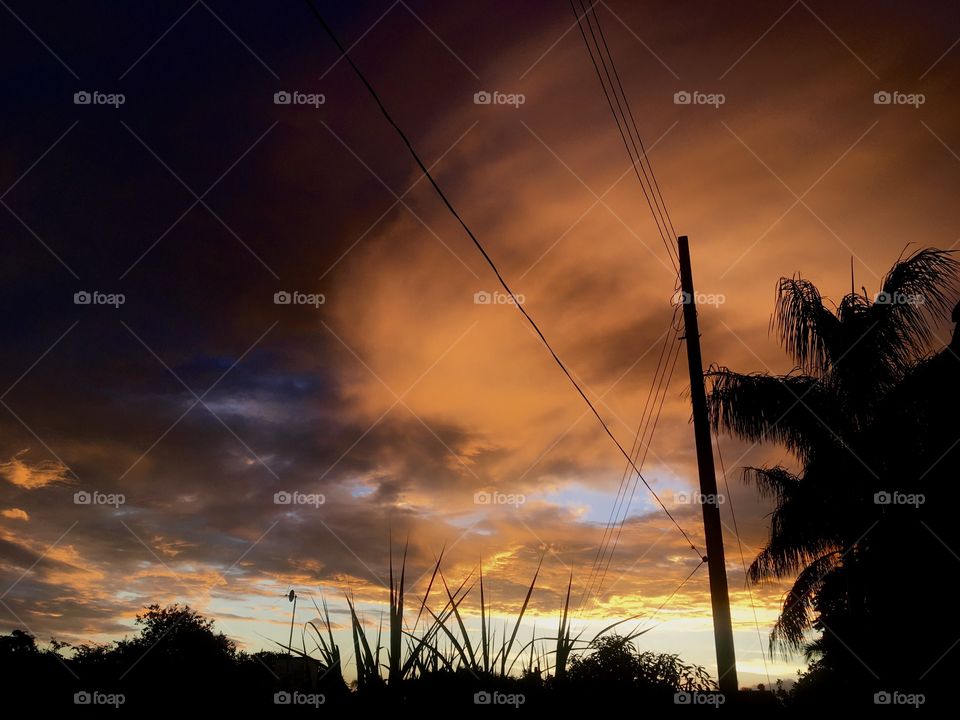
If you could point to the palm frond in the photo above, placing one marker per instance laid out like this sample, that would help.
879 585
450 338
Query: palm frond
914 295
782 558
795 615
808 330
776 483
788 409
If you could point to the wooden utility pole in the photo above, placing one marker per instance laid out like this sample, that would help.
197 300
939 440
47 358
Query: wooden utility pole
709 499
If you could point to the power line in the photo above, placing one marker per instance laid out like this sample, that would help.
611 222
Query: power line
627 127
656 420
746 580
636 156
625 119
656 184
626 477
673 594
608 64
614 511
426 172
665 382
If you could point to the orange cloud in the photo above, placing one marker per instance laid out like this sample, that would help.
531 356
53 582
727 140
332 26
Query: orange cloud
32 476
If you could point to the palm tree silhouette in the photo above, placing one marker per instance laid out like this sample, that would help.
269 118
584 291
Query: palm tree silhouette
857 367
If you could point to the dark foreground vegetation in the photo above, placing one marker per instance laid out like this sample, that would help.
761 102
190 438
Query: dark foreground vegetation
179 660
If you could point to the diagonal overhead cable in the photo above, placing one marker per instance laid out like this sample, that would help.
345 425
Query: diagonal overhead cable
446 201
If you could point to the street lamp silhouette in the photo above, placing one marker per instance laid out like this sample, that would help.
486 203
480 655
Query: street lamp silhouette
291 597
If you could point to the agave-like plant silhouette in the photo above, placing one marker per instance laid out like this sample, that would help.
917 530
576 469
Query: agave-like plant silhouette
848 361
444 642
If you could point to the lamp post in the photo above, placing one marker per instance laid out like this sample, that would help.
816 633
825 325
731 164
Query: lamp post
291 597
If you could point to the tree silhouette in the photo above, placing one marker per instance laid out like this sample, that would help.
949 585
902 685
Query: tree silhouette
180 632
18 644
854 413
616 664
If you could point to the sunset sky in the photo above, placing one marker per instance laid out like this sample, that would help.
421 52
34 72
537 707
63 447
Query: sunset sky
399 398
